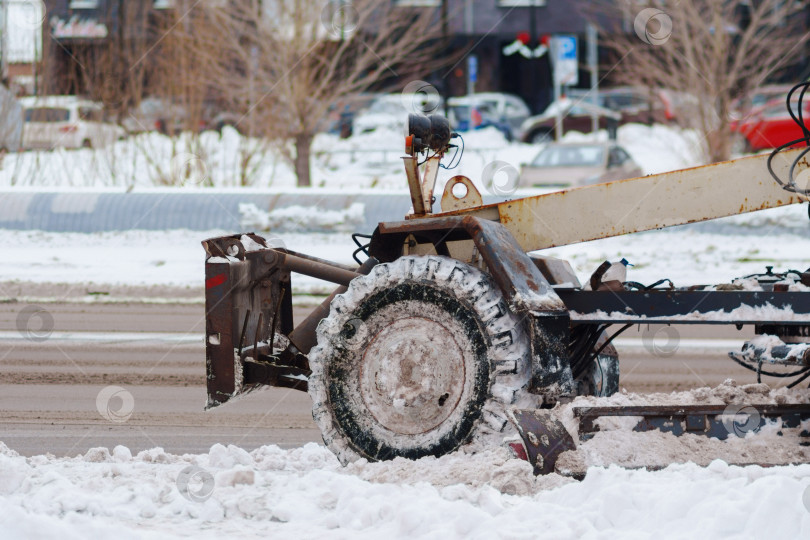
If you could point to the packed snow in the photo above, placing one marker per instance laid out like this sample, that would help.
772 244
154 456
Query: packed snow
305 493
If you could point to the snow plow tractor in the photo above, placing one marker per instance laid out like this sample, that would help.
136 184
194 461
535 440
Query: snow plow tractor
456 331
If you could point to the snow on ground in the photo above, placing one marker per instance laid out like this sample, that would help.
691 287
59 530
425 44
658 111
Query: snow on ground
304 493
693 254
170 258
292 217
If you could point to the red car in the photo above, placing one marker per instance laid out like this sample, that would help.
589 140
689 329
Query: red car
769 126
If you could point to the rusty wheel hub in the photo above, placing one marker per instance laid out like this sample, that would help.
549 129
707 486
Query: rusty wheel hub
412 375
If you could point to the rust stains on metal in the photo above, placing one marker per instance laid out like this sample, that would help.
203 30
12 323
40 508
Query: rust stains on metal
544 438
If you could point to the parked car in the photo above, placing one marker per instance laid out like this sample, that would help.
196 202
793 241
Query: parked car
635 103
576 116
391 111
504 111
754 100
465 117
66 121
769 126
566 164
11 121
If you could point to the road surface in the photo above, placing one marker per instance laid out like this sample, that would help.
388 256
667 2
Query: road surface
52 384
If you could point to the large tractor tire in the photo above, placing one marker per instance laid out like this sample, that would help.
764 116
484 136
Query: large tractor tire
416 359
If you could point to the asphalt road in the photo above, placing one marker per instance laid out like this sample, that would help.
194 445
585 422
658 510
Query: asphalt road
55 396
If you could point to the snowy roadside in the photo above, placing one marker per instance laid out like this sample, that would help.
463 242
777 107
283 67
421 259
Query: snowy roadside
304 493
159 265
150 266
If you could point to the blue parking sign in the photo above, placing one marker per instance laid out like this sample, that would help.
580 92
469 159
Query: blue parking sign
564 50
568 48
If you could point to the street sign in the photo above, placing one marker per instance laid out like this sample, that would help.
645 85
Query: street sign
472 68
566 68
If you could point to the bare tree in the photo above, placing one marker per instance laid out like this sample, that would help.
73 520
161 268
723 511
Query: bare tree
281 64
708 50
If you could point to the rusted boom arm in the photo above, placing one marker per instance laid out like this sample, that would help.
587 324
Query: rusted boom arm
640 204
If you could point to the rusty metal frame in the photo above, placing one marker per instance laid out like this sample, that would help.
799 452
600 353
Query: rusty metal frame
240 295
421 184
640 204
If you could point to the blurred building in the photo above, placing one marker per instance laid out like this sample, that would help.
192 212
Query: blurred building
91 47
21 45
494 31
88 40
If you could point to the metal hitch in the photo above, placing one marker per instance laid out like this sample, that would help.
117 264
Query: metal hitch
250 340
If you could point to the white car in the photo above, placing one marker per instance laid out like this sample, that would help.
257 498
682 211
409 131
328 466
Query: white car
507 112
390 111
579 164
66 122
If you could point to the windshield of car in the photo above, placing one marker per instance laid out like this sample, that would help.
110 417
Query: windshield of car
570 156
47 114
463 111
761 98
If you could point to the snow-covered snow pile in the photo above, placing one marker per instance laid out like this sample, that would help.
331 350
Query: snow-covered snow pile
304 493
616 443
301 218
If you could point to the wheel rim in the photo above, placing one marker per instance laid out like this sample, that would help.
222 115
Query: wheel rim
401 428
410 386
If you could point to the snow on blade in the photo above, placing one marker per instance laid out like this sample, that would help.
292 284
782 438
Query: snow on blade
768 312
617 444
